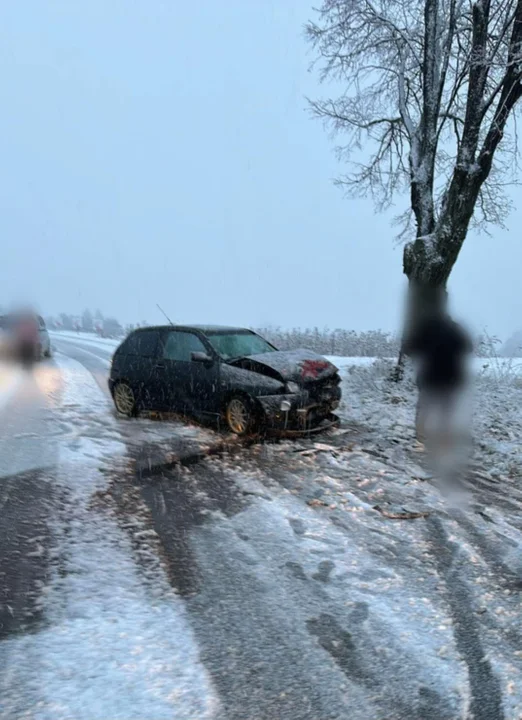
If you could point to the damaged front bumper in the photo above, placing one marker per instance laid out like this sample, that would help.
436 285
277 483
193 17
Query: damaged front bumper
298 412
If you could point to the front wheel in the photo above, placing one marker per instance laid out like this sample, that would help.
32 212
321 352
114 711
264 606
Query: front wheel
124 400
241 415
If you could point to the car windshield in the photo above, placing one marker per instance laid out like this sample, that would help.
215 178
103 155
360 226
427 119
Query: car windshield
238 344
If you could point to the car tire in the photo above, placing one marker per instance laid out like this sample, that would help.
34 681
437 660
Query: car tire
124 399
241 416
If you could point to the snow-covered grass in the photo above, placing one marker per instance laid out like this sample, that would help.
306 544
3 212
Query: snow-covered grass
370 397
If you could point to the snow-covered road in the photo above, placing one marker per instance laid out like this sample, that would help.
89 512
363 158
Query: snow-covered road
85 633
256 586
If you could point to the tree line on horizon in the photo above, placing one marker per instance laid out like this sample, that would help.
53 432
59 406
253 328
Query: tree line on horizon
340 342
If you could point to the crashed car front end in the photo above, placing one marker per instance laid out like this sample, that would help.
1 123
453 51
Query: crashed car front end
310 389
302 408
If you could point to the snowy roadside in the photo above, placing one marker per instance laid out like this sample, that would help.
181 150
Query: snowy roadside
389 409
86 338
114 641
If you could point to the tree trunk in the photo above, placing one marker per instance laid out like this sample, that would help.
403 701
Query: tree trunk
426 293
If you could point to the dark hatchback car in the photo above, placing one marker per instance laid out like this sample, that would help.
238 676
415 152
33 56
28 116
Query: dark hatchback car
223 373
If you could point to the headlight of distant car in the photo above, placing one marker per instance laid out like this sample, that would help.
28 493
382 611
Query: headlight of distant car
292 387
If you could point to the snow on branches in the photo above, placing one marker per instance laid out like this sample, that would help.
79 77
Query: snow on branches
429 86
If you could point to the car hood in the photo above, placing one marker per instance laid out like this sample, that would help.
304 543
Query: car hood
299 366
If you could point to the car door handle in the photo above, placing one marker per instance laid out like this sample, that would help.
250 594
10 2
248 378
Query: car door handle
159 366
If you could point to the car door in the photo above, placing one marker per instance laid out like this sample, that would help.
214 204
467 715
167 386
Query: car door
190 385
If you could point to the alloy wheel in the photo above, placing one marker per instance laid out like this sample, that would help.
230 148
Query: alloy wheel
124 399
238 416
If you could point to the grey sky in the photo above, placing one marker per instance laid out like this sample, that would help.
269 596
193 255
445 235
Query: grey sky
156 151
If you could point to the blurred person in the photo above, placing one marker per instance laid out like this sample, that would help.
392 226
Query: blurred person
26 337
440 346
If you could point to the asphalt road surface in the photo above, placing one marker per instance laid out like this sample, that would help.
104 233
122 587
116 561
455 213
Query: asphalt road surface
297 580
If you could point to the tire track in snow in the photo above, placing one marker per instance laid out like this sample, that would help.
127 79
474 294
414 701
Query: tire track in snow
486 697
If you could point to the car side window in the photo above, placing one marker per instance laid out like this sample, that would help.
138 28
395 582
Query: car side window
179 346
41 323
143 343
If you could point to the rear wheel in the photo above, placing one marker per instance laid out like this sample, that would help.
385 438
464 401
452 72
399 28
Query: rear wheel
124 399
241 415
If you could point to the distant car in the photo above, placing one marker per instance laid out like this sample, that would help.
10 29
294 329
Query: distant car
225 373
9 324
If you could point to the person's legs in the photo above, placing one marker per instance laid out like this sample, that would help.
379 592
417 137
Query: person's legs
450 453
453 421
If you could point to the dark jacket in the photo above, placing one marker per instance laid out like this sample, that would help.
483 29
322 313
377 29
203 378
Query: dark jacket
441 346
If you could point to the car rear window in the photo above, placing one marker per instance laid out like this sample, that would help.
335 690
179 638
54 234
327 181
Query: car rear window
143 343
41 323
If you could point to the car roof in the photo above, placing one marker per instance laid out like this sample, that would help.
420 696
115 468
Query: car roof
199 328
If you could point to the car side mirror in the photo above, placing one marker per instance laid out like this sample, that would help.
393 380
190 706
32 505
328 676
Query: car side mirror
201 357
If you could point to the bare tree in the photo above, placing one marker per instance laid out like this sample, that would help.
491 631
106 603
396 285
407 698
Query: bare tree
430 86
